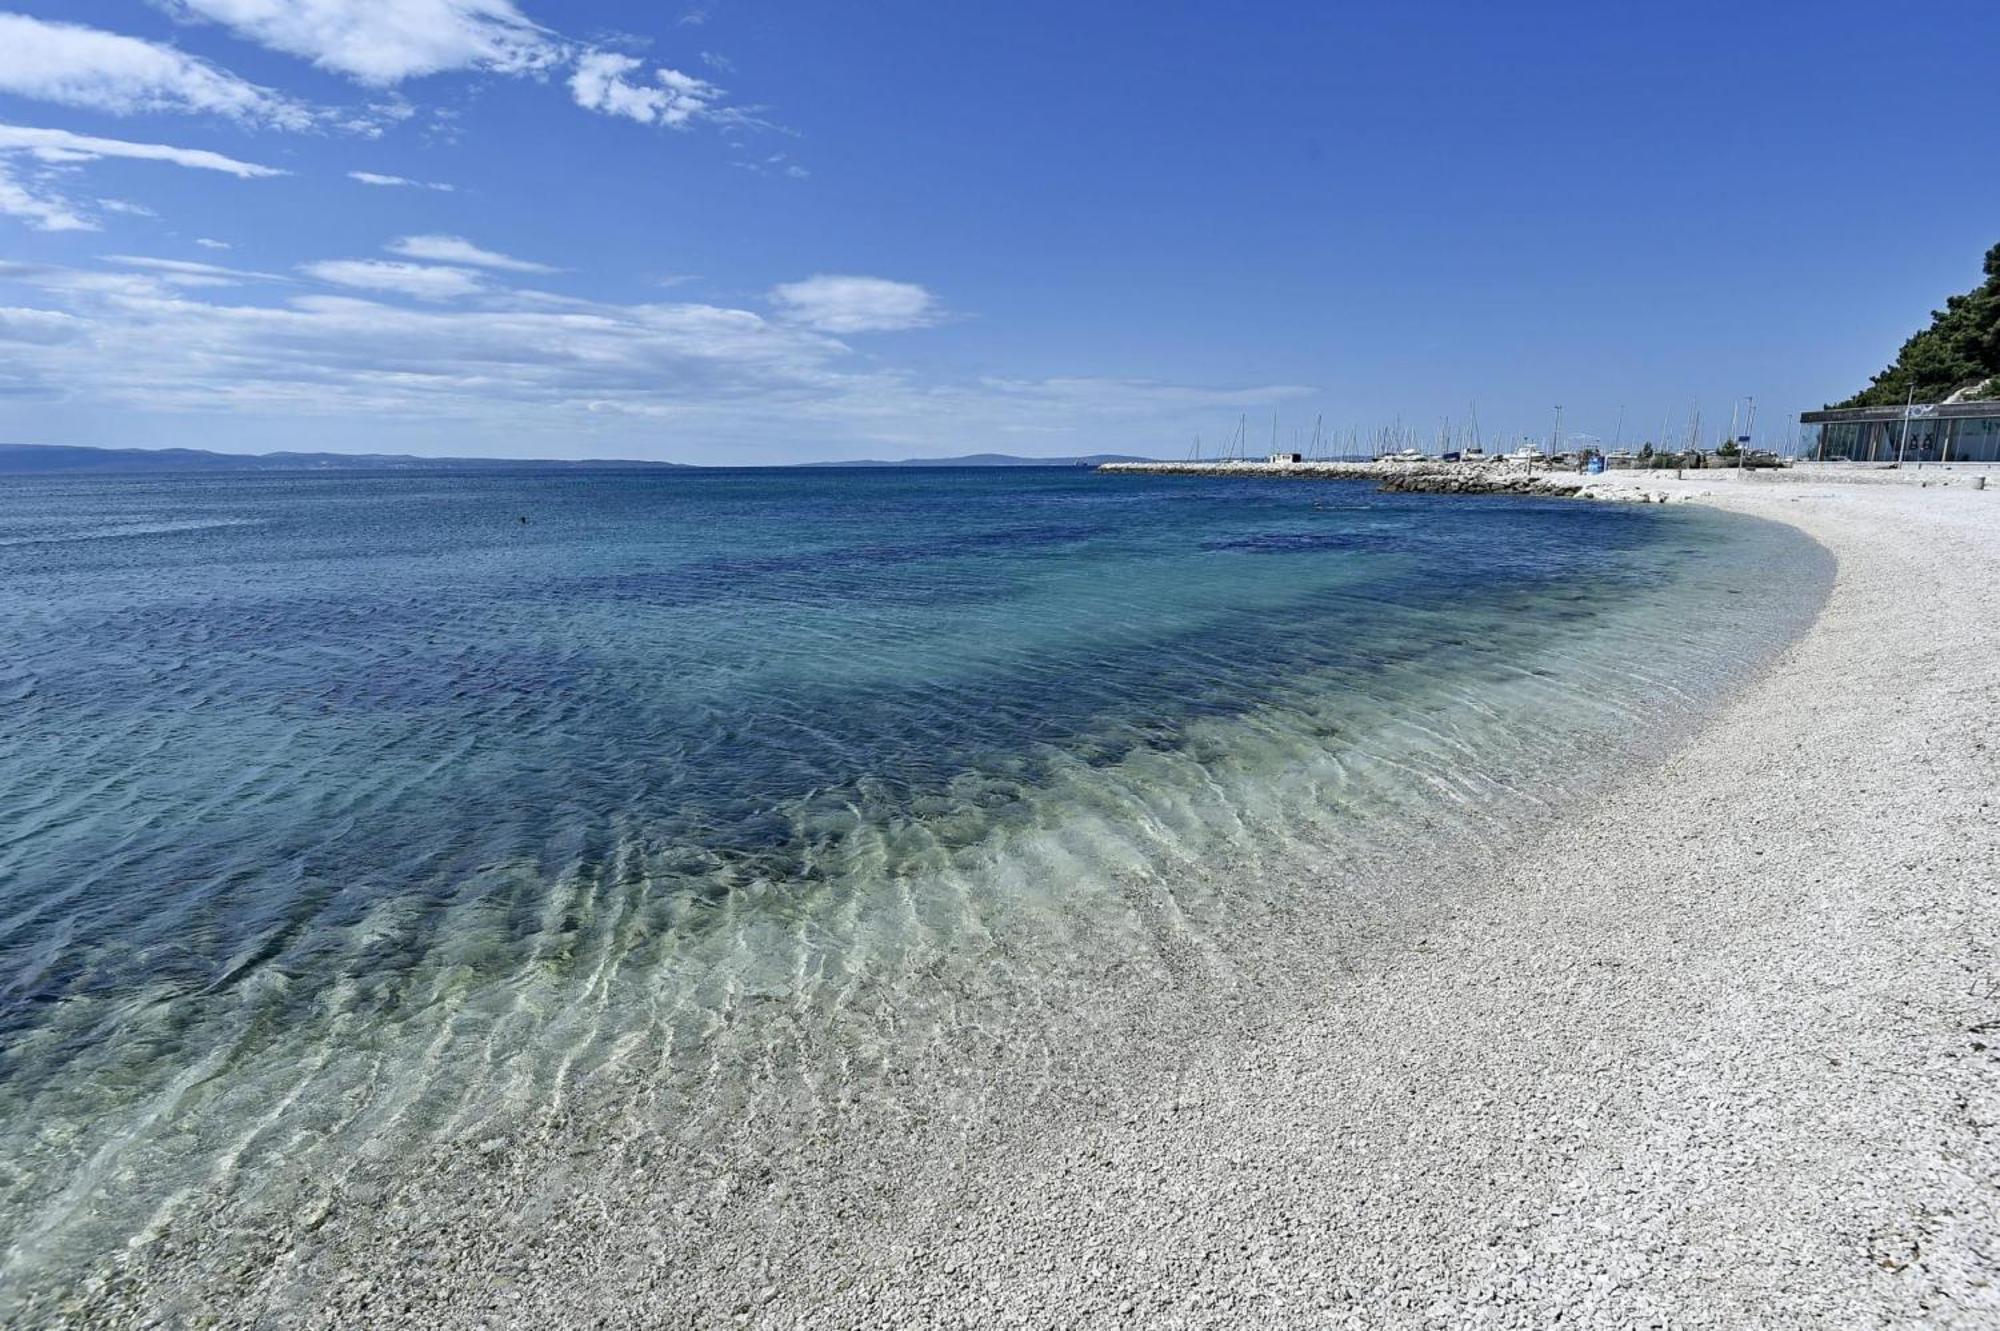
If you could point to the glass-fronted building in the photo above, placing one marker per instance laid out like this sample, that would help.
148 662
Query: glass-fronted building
1926 432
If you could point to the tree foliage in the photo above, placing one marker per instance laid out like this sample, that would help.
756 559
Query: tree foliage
1961 349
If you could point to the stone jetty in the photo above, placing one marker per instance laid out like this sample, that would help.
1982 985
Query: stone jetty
1485 476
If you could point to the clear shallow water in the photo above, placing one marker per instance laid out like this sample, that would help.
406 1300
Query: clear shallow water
349 813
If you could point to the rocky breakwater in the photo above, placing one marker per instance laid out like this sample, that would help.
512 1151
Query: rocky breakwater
1477 479
1491 476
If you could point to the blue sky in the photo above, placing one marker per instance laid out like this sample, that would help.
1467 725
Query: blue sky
748 232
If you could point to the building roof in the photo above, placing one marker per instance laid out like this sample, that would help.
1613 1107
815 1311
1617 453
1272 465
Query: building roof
1949 411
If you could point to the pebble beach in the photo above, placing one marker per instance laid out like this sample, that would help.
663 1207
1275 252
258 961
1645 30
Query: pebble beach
1719 1052
1717 1049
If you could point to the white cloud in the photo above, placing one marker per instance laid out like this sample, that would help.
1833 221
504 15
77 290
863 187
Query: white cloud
74 65
424 281
127 207
59 145
209 244
155 345
568 371
839 304
189 272
382 42
42 327
599 84
40 208
457 249
377 178
46 209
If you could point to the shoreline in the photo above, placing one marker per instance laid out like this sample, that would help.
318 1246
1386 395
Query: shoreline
1503 476
1720 1055
1576 1078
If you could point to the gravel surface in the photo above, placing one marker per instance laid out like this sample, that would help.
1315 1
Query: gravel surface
1719 1053
1722 1054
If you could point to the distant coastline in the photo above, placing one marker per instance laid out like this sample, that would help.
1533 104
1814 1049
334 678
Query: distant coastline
39 459
991 460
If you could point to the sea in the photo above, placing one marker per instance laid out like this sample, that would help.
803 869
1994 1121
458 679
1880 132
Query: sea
346 816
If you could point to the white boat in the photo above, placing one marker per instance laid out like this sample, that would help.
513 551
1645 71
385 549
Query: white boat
1527 453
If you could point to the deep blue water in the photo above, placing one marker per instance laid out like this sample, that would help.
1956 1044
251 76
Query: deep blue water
301 771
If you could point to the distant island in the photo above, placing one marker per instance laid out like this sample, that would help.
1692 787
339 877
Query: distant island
18 459
992 460
1957 358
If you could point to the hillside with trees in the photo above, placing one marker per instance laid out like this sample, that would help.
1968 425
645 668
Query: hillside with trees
1958 354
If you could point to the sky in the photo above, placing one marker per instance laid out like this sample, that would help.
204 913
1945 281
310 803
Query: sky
742 232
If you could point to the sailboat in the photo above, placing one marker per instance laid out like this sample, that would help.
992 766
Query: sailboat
1619 456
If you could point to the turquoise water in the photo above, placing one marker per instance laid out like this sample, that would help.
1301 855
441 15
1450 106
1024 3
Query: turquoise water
349 813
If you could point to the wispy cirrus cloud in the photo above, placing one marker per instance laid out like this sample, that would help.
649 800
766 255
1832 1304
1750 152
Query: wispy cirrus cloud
384 42
422 281
37 205
73 65
446 268
459 250
190 272
377 43
773 164
376 178
60 145
41 203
